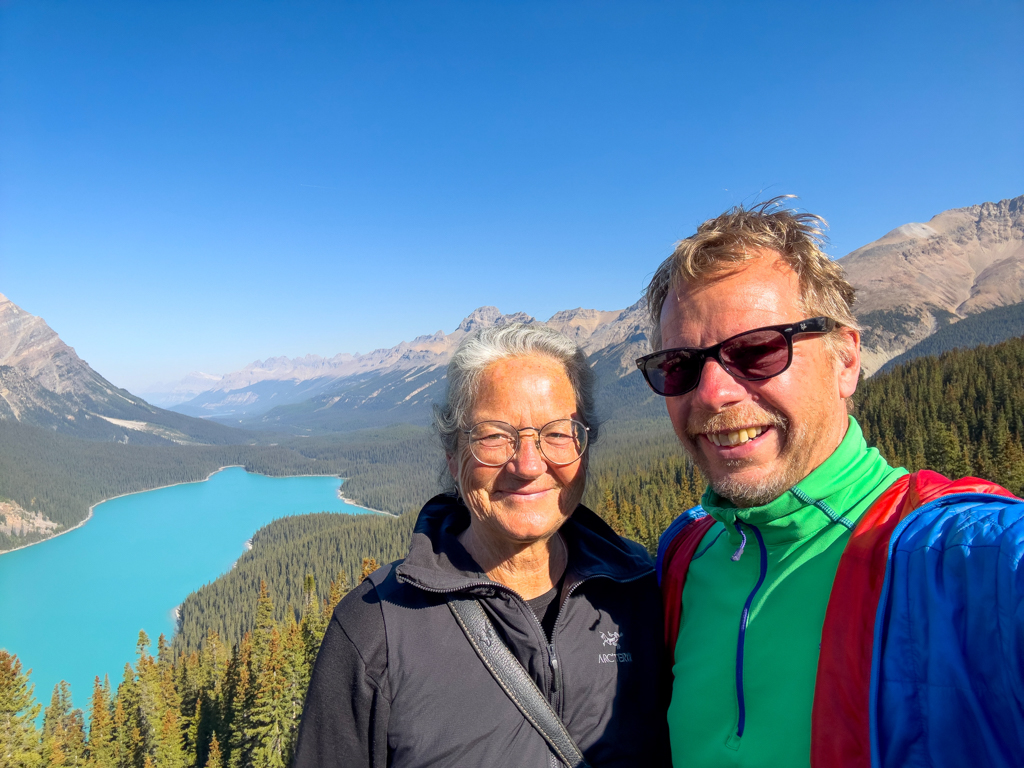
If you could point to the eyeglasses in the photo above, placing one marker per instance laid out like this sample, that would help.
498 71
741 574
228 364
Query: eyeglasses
561 442
752 356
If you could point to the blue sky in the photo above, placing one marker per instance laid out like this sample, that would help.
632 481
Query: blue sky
192 186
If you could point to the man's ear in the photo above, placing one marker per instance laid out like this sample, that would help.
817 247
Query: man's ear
848 361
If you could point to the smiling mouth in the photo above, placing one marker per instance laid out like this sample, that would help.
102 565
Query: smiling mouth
735 437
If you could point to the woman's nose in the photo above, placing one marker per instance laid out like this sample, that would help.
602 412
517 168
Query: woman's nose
528 461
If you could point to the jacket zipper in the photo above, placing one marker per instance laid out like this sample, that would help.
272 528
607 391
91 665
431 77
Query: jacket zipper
742 718
556 672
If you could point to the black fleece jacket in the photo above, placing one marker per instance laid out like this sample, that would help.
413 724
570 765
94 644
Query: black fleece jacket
397 684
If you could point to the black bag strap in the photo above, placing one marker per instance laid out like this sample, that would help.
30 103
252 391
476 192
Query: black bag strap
514 680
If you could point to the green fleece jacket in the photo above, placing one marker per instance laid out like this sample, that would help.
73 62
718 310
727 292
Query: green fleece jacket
803 533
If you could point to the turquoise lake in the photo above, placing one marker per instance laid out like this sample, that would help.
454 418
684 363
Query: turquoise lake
71 608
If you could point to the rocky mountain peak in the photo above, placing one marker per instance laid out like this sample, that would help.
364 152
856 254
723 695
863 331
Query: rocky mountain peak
28 344
484 317
919 276
45 384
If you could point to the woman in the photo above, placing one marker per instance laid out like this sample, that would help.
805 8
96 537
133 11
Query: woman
398 682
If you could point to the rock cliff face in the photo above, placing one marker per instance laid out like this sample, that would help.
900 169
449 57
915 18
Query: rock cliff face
44 383
30 346
922 276
42 377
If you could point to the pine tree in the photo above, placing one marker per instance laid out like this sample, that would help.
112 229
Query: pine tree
128 744
269 712
101 752
309 599
63 741
339 588
369 566
146 713
214 758
1010 465
297 673
187 682
168 747
314 622
19 740
264 624
237 704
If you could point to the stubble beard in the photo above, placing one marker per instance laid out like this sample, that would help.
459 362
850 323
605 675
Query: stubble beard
795 449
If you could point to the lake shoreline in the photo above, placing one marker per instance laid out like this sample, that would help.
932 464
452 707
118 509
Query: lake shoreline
351 503
137 561
88 517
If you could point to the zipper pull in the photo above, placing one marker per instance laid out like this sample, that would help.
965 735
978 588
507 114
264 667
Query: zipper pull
554 667
743 543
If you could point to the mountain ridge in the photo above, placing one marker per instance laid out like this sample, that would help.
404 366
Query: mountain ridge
44 383
247 393
919 277
911 282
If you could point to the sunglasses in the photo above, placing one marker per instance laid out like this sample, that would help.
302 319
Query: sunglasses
752 356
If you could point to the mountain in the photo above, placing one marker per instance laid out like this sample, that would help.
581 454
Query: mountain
921 277
44 383
910 283
316 394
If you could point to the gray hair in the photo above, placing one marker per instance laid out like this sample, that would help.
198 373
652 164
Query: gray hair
481 349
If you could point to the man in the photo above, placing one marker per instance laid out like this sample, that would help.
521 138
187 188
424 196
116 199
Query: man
822 606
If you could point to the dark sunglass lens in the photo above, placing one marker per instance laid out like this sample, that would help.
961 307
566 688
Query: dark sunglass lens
756 355
672 373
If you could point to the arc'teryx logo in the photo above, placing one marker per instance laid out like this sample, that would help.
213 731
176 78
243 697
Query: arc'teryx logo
613 639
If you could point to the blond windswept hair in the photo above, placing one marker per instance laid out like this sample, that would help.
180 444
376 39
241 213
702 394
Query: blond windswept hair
725 243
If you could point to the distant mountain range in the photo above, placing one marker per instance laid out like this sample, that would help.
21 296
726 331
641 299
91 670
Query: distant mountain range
910 283
315 394
991 327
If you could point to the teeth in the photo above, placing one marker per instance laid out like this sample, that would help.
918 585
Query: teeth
736 437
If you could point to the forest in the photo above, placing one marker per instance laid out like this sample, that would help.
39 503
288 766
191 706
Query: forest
990 327
227 705
227 690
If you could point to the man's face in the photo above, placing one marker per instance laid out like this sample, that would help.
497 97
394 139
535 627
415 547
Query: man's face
794 421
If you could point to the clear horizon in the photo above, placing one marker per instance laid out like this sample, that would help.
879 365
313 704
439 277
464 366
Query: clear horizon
186 187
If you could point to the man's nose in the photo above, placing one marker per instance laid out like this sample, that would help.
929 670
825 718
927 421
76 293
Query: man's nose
717 388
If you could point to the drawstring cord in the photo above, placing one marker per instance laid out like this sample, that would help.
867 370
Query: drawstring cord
743 542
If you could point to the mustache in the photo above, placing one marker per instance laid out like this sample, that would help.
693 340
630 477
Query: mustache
732 419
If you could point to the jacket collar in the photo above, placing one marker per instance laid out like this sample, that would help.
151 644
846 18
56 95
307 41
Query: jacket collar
437 562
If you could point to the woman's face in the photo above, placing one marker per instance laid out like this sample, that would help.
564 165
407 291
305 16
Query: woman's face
527 499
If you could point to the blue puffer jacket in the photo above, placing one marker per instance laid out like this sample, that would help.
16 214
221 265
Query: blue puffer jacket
947 675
